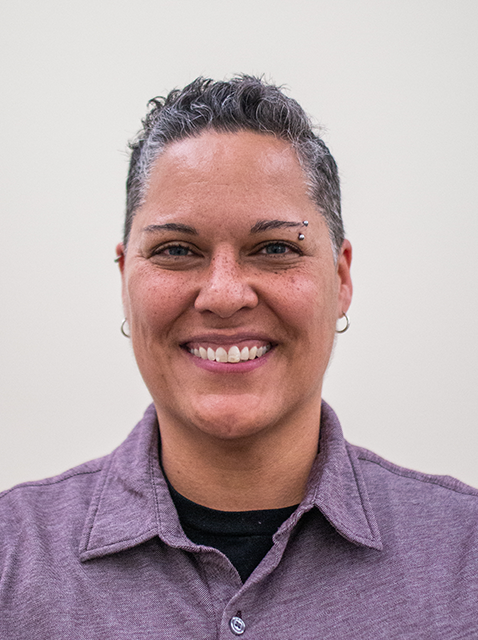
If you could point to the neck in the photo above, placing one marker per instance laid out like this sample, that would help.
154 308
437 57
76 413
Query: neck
265 471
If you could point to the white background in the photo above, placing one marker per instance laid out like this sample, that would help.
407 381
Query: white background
394 82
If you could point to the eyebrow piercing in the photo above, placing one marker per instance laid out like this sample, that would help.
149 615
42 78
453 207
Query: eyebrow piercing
306 224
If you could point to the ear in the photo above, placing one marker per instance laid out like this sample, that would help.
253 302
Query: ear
345 281
120 259
120 256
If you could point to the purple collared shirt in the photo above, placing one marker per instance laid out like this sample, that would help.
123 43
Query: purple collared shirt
373 552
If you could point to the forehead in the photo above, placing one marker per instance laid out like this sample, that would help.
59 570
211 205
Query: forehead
245 161
223 184
262 150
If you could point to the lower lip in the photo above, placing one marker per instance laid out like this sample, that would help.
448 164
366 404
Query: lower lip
228 367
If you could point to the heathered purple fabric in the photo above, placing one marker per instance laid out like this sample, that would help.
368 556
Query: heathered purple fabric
373 552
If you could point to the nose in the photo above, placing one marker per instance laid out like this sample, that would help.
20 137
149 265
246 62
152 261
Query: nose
225 288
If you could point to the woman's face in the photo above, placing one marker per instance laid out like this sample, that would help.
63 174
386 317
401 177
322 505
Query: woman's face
215 270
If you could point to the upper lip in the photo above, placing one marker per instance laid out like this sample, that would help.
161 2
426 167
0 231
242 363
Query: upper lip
229 339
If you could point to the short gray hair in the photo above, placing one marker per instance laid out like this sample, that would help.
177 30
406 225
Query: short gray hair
244 103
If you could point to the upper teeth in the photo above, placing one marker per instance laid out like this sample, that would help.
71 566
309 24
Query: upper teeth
233 355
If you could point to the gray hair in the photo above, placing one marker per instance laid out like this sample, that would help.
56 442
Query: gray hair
244 103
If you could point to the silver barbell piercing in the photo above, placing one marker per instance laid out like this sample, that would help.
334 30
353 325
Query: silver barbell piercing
301 235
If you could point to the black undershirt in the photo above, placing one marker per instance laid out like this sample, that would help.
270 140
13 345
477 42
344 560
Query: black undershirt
242 536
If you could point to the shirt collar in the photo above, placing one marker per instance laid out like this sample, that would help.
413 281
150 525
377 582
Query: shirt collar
131 503
123 510
336 486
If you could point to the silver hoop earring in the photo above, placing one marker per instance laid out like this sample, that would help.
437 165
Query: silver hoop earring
347 324
123 324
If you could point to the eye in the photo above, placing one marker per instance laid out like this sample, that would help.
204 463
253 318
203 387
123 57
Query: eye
278 248
177 250
173 251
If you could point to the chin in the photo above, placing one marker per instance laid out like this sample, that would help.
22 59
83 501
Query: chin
230 422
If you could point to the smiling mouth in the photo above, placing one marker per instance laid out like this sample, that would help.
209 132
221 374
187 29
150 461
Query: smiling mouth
232 355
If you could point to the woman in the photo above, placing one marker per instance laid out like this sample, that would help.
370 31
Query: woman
235 507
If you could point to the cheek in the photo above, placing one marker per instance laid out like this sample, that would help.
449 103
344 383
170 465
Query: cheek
308 304
155 301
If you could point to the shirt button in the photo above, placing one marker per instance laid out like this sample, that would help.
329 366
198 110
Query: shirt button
238 626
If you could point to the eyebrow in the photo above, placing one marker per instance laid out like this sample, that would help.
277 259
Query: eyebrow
265 225
171 226
260 225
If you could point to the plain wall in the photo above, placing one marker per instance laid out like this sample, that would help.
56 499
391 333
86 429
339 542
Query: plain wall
394 83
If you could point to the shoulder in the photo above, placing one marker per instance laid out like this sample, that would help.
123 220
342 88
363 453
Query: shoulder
32 507
58 484
418 502
374 466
